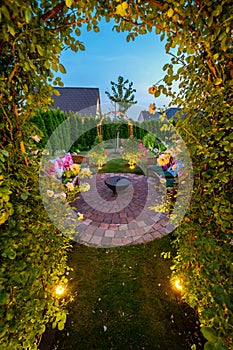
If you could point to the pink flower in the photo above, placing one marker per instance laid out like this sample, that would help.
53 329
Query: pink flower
67 161
59 163
106 153
51 170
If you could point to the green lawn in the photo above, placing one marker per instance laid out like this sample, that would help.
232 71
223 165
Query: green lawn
128 291
119 165
116 164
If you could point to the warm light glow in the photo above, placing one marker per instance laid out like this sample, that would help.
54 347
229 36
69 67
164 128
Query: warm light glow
178 285
60 290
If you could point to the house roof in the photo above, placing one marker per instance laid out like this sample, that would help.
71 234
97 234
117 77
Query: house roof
78 99
171 111
145 115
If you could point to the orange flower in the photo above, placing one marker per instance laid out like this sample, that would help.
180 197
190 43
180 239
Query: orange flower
152 108
187 220
152 89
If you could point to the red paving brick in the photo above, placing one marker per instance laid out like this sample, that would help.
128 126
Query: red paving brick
121 220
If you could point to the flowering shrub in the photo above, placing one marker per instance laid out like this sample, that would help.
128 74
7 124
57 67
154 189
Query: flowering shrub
98 155
133 152
132 158
70 173
99 159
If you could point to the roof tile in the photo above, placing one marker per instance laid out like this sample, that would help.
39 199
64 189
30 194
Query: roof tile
77 99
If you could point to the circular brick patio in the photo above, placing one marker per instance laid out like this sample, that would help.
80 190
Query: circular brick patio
123 219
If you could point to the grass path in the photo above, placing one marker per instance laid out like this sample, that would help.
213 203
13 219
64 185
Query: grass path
124 300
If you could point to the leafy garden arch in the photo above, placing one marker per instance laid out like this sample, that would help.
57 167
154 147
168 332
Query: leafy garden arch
116 114
33 35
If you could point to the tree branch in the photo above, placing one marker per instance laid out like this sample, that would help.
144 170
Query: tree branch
54 11
158 4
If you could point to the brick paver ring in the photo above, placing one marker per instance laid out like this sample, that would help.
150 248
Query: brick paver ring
123 219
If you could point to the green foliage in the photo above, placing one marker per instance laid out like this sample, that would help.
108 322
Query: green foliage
122 94
72 128
47 121
149 140
33 257
33 252
97 140
214 342
204 259
83 131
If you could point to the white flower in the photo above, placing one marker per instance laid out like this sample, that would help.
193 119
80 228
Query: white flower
84 187
85 172
70 186
60 195
36 138
50 193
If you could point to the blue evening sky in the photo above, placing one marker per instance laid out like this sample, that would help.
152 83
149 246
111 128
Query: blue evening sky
108 55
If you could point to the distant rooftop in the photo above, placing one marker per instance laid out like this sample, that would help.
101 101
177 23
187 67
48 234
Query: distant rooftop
146 115
78 99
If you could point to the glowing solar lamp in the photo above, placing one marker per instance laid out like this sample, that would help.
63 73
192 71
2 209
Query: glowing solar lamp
178 285
59 290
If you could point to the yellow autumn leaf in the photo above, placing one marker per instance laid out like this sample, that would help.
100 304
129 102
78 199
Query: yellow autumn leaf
121 8
170 12
218 81
69 3
125 5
